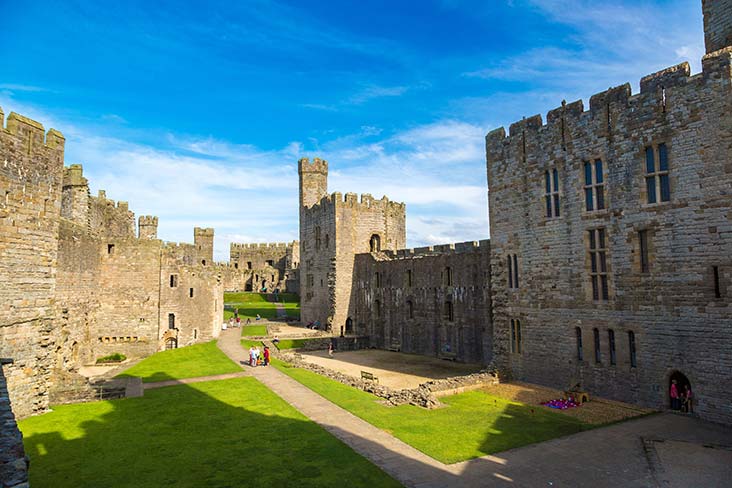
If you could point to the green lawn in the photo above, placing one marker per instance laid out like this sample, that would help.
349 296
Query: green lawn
254 330
293 343
228 433
472 424
250 304
187 362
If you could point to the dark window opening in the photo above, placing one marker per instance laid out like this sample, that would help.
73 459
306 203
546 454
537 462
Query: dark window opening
513 335
448 276
611 345
249 265
377 279
516 336
594 186
375 243
717 288
173 281
580 352
631 348
598 264
658 187
515 272
551 195
449 312
270 263
327 241
110 248
377 308
409 277
410 310
190 292
195 334
317 238
643 242
236 265
510 271
203 262
596 334
171 321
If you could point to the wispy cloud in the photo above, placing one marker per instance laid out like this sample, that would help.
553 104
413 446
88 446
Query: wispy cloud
11 87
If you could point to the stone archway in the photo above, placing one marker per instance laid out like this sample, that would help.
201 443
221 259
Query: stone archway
682 382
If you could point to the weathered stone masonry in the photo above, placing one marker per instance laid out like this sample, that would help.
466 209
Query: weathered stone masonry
673 291
257 266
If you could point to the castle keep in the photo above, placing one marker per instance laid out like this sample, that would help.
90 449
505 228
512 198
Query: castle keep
78 282
611 237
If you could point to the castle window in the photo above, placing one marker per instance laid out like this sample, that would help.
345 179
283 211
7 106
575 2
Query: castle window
408 277
658 187
449 311
195 334
310 281
516 342
203 262
717 287
377 279
596 334
249 265
375 243
327 241
171 343
611 345
551 196
236 265
190 292
317 238
270 263
594 186
171 321
643 244
631 348
173 280
598 264
513 275
580 352
377 308
110 248
410 309
448 276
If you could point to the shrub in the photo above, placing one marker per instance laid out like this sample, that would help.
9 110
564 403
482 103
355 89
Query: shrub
112 358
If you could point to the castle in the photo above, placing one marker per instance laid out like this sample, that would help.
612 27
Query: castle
609 263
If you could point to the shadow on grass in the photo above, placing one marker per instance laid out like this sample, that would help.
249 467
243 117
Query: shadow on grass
227 433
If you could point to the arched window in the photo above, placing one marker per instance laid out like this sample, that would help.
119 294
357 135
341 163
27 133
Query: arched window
410 309
377 308
375 243
317 238
171 321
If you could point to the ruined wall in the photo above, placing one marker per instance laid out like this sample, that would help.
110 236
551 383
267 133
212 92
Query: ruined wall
401 300
680 320
31 169
260 265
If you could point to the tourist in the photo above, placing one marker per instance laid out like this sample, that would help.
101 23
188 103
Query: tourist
674 392
252 357
256 355
330 349
231 321
238 321
249 320
276 340
688 399
259 317
266 355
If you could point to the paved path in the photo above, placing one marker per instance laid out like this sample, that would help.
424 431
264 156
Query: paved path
281 312
624 454
197 379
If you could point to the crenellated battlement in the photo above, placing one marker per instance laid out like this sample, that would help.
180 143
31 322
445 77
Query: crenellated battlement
317 166
351 200
203 232
659 92
441 249
261 246
148 220
74 176
31 133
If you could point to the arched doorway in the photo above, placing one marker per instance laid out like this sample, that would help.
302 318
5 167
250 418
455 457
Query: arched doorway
171 343
349 325
682 385
375 243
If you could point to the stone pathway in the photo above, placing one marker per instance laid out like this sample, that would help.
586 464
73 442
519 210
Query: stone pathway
612 456
281 312
197 379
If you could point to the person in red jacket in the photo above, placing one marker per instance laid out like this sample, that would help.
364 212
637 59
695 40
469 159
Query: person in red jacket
266 355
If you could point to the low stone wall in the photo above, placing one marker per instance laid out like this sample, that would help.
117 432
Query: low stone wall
425 395
13 461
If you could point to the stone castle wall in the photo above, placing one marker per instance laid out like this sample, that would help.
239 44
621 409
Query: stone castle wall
401 300
13 461
679 321
333 230
262 265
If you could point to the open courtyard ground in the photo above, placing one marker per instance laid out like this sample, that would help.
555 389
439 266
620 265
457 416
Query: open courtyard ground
249 305
394 369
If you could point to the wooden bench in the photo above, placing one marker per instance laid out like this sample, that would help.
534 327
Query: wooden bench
365 375
395 346
449 356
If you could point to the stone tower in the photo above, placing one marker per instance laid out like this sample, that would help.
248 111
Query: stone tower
313 181
148 227
203 240
717 24
75 195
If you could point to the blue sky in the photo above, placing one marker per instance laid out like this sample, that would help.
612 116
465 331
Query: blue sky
198 114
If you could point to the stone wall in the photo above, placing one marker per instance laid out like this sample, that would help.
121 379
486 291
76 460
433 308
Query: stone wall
31 171
680 319
333 229
717 24
13 461
427 301
262 266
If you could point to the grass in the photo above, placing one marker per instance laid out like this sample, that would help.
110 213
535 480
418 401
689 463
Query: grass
250 304
254 330
215 434
472 424
187 362
112 358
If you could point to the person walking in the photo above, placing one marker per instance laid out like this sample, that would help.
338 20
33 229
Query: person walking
674 393
266 355
330 349
688 398
252 357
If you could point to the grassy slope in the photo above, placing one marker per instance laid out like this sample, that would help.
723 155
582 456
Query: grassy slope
473 424
292 343
254 330
190 436
187 362
251 304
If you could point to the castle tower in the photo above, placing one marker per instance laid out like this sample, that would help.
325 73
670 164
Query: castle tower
313 181
75 195
717 24
148 227
203 240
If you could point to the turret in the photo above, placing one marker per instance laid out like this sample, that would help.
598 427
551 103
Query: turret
203 240
148 227
717 24
75 195
313 181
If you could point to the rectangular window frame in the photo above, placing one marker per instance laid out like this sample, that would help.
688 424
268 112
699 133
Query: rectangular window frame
578 339
594 185
598 251
551 193
611 347
645 264
598 352
657 174
632 349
